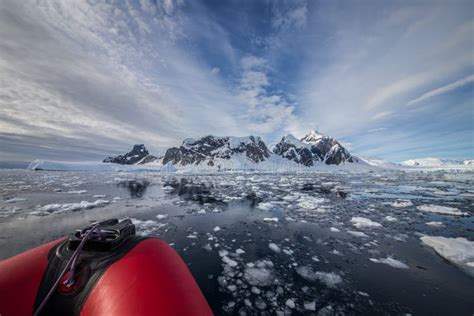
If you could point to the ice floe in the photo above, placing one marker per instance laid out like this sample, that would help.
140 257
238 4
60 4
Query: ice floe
389 218
356 233
391 262
362 222
435 224
15 200
265 206
459 251
331 279
402 203
260 273
58 208
274 247
270 219
432 208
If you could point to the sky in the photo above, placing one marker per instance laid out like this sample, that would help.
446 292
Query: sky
80 80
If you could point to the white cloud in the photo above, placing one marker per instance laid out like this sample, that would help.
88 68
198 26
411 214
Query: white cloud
265 111
444 89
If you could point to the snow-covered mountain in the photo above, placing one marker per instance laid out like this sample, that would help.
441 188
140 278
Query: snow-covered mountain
312 149
138 155
434 162
210 149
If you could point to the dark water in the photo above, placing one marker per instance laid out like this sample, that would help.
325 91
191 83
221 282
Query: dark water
248 239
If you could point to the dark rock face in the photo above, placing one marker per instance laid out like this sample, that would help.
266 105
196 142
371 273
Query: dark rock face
291 148
209 148
138 155
313 148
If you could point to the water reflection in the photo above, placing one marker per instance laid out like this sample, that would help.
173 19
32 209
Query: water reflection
198 192
137 188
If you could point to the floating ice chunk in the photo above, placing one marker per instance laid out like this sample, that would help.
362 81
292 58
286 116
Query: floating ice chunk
223 253
310 306
255 290
291 198
310 202
239 251
232 287
260 274
274 247
58 208
260 303
361 222
391 262
402 203
432 208
356 233
14 200
328 278
216 229
77 192
147 227
459 251
389 218
288 251
168 188
315 258
334 229
230 262
99 196
435 224
162 216
271 219
202 212
363 293
265 206
290 303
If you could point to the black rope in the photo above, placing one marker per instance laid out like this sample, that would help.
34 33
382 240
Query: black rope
71 263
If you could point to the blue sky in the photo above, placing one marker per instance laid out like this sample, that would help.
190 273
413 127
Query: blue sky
82 79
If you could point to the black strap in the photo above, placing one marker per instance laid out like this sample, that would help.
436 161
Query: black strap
94 263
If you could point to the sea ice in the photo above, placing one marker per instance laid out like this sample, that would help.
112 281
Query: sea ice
57 208
402 203
389 218
432 208
459 251
310 306
14 200
391 262
271 219
274 247
260 273
435 224
328 278
361 222
265 206
356 233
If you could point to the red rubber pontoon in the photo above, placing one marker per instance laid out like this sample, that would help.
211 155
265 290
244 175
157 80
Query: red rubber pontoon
121 276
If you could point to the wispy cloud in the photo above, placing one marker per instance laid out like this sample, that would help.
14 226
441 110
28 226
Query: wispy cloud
444 89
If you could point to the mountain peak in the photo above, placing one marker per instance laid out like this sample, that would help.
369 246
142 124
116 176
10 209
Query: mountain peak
138 155
312 137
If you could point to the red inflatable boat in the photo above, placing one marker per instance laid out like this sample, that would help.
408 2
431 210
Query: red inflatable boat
102 270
